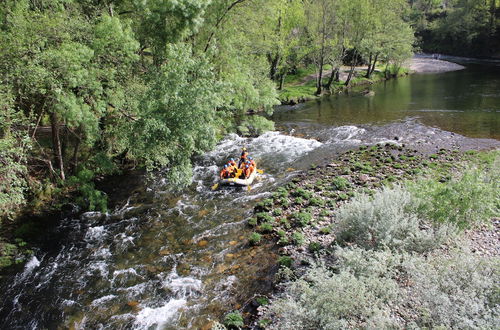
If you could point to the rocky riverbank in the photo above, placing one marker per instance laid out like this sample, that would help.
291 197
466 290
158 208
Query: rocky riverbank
301 216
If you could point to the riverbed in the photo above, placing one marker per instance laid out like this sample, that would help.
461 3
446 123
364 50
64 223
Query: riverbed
176 259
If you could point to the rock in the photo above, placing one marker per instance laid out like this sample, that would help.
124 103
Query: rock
164 252
232 243
133 304
202 243
363 178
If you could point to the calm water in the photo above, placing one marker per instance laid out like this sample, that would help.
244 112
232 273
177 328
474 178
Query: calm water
466 102
169 260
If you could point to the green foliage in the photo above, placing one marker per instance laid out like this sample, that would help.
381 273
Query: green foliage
14 146
387 220
255 125
340 183
262 301
252 221
315 201
255 238
285 261
298 238
315 246
264 217
234 320
266 227
300 192
89 197
464 201
302 218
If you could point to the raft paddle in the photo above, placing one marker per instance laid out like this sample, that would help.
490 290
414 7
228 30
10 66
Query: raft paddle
215 186
260 171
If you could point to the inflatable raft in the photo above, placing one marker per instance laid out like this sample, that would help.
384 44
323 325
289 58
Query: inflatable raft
239 182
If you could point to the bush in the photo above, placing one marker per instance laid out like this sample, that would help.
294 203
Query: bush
285 261
323 300
457 292
387 220
316 202
314 246
277 212
464 201
234 320
266 227
252 222
255 125
255 238
298 238
300 192
366 288
302 218
264 217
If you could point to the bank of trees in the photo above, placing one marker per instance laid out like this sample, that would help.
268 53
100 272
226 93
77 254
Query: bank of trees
457 27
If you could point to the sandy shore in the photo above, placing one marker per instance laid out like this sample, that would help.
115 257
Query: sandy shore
430 65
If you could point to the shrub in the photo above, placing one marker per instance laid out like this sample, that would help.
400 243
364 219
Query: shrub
277 212
464 201
233 320
457 292
266 227
252 222
265 205
255 238
325 230
298 238
340 183
314 246
255 125
302 218
285 261
316 202
281 192
264 217
262 301
387 220
323 300
300 192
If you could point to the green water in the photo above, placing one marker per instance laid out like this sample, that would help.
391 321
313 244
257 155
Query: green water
466 102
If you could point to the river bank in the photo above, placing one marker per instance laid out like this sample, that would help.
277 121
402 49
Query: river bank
301 218
302 88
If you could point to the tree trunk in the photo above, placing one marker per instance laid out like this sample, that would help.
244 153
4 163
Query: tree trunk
56 144
368 71
373 65
333 77
282 81
319 81
353 66
274 66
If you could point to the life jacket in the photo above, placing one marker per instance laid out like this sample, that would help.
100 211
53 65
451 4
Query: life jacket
232 163
224 173
253 163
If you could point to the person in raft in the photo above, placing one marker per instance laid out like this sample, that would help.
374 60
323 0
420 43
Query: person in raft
225 172
249 168
233 170
243 157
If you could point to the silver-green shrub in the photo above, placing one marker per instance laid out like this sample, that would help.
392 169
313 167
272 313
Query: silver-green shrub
388 289
387 219
325 300
457 292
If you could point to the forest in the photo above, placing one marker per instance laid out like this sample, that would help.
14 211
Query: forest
92 88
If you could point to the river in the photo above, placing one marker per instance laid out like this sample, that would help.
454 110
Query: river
165 260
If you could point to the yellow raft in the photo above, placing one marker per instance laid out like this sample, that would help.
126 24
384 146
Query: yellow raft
239 182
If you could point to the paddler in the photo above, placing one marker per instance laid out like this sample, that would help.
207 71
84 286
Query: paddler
232 169
243 157
246 171
225 172
252 161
